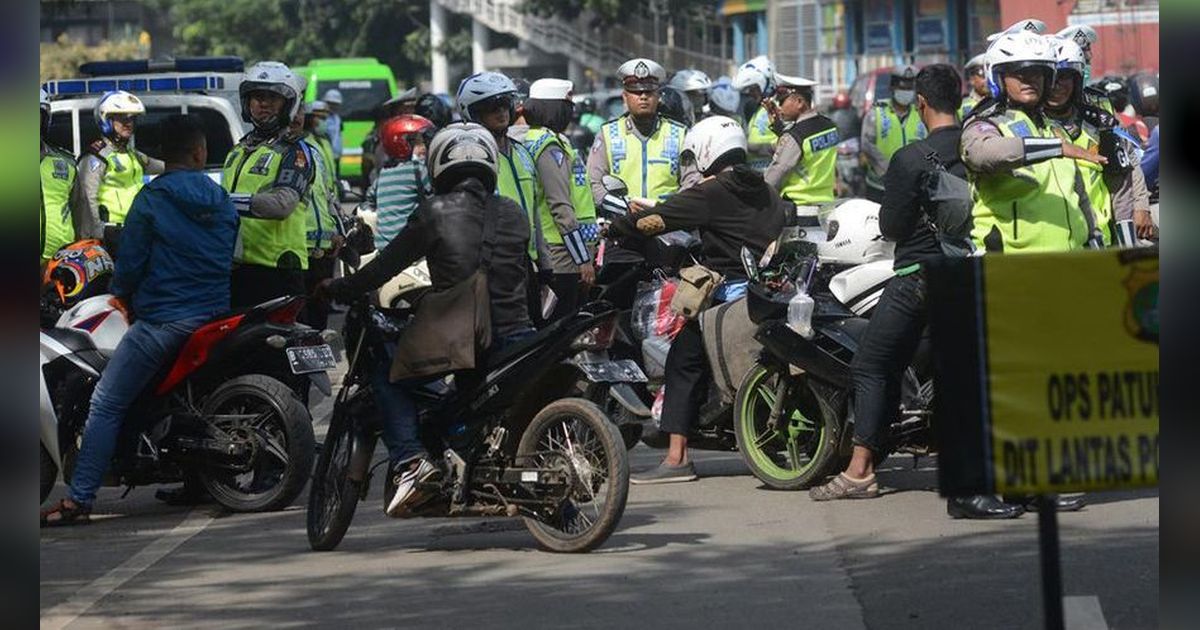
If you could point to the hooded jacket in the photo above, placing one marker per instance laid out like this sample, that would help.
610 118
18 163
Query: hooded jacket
734 208
177 249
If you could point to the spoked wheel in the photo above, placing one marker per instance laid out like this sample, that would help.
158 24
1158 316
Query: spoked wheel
575 434
799 447
333 496
264 417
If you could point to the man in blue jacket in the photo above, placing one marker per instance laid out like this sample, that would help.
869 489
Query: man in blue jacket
173 276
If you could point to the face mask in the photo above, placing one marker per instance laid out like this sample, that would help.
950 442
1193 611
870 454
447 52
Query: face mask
905 97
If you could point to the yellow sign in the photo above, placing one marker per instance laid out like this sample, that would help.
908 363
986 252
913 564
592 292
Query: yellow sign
1071 364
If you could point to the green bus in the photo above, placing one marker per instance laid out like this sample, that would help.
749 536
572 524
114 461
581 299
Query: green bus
364 83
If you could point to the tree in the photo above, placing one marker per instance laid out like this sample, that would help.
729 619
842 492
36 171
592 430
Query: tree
61 59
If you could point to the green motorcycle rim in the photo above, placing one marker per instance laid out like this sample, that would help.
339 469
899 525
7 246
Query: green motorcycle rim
790 442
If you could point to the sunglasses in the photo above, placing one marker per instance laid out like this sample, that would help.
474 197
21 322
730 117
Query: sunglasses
123 118
495 104
641 90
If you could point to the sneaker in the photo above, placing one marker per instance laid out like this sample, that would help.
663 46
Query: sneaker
664 473
408 487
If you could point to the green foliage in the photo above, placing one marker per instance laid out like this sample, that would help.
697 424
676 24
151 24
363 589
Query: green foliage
608 11
62 59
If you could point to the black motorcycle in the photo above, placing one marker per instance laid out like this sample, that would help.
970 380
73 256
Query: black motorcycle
512 440
793 413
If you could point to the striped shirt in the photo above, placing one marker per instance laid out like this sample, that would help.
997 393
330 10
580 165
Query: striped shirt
394 196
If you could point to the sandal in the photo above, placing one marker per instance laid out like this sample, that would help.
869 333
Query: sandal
843 487
62 515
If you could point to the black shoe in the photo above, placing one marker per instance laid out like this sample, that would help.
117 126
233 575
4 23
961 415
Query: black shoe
1061 503
187 494
982 506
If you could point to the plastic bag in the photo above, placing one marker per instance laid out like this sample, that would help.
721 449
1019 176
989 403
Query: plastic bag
652 315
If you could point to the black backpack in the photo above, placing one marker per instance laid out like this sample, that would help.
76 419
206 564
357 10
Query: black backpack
948 205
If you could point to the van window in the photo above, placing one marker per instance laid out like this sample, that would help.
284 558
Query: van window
148 136
360 97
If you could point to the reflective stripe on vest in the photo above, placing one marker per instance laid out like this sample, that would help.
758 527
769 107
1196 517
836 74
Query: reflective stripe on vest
650 167
1033 208
517 180
538 140
892 133
121 183
264 241
811 180
58 174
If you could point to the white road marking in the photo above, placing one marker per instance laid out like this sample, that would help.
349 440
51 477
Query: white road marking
1083 613
75 606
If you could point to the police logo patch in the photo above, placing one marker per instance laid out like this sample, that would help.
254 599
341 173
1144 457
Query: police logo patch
641 70
1081 38
301 160
558 155
1030 25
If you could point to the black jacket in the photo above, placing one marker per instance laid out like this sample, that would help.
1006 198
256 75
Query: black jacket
733 209
447 230
902 215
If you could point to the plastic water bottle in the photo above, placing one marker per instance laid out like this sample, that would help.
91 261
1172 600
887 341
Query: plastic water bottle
799 314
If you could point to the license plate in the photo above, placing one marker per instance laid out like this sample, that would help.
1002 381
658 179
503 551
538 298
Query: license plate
624 371
308 359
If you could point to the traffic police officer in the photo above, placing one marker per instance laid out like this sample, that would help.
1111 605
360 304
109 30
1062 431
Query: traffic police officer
320 207
566 213
1025 194
755 81
804 166
269 175
889 125
111 170
977 83
58 176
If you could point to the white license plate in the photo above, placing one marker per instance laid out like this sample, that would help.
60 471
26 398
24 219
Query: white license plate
624 371
308 359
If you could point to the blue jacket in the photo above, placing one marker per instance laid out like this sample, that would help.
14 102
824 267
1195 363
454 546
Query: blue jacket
1150 160
176 249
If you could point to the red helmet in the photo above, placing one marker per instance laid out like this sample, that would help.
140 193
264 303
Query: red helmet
397 134
841 101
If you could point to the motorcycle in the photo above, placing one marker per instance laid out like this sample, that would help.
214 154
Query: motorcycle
793 412
222 411
513 440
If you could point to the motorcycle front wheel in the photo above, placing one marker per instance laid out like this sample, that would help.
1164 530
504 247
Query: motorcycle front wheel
800 449
574 432
333 496
262 414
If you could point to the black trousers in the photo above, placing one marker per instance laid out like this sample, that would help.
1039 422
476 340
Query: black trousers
566 287
886 349
316 312
686 378
251 285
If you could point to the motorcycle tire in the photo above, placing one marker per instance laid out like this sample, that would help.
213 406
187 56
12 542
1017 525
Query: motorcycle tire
629 426
576 429
49 473
292 427
760 453
333 496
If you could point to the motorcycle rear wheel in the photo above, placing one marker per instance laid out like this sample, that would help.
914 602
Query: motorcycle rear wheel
577 430
333 496
794 455
281 434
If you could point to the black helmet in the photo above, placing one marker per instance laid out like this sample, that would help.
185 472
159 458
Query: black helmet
436 110
1117 90
586 105
675 105
1143 93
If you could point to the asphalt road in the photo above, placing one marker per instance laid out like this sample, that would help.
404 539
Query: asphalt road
721 552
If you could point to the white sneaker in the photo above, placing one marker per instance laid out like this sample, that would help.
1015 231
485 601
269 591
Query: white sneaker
407 491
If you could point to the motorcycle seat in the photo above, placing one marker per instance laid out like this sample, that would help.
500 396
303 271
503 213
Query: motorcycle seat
495 359
73 340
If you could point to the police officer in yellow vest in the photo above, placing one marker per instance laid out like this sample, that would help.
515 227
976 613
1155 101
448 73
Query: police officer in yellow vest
889 125
269 175
1115 189
804 166
321 226
976 82
1027 196
58 177
755 80
316 114
111 170
567 213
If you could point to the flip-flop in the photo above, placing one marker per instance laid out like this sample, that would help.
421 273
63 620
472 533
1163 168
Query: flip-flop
62 515
843 487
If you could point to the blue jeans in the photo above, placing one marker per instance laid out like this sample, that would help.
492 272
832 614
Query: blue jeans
399 410
143 350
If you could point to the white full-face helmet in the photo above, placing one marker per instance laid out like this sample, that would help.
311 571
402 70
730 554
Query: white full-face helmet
480 87
118 103
1014 51
690 80
852 234
758 71
462 149
713 138
276 77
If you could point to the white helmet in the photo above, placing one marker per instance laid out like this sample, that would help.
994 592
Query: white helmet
724 99
758 71
1082 34
272 76
480 87
1029 25
1015 51
978 61
852 234
333 95
712 138
114 104
460 146
690 80
1068 55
